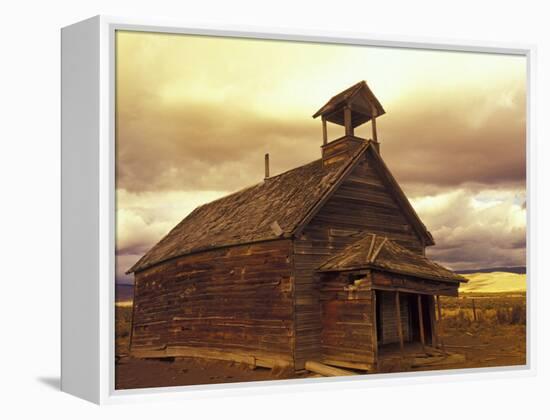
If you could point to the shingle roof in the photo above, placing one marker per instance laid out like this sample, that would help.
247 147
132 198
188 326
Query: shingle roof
268 210
372 251
346 96
274 208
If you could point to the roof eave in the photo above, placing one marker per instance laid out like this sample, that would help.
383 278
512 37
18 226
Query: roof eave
136 267
374 267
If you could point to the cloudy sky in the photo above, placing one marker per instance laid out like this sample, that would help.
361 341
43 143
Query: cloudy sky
195 116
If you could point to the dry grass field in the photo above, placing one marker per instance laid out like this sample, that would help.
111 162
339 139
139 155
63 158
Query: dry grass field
494 336
477 310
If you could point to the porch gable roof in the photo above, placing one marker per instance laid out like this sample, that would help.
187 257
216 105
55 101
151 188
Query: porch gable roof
379 252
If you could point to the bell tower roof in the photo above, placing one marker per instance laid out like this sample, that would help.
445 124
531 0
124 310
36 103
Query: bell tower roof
359 99
354 106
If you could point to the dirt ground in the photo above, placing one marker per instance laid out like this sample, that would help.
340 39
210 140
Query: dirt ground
489 346
495 338
475 347
135 373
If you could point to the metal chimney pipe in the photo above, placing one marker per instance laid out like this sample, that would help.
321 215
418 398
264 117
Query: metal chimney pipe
266 165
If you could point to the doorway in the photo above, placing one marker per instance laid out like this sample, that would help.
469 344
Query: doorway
386 317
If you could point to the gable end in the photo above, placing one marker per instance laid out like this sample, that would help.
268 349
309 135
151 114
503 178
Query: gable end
368 187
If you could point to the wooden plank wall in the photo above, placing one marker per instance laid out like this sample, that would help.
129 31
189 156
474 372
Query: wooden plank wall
339 149
361 203
236 301
388 317
347 314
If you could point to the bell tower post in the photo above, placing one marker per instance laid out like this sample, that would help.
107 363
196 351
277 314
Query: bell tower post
350 108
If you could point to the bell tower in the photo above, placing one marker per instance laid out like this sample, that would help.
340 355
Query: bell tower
351 108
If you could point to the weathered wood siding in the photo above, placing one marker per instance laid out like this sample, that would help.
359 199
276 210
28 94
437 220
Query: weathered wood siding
388 318
235 302
339 149
364 203
408 284
348 336
361 203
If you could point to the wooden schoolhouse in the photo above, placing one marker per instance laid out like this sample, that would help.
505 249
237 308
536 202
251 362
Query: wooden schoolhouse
323 263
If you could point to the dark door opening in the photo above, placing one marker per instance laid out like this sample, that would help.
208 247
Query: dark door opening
386 317
415 317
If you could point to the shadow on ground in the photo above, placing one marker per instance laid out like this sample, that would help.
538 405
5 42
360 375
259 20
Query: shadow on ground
53 382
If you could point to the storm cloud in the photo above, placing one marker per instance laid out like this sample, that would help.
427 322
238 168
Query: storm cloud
195 116
433 143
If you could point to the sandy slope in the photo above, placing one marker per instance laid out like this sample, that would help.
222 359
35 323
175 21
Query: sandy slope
494 282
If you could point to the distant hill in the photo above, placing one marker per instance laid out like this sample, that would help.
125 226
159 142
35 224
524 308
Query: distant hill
124 292
516 270
494 282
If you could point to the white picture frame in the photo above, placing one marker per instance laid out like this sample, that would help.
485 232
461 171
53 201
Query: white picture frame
88 210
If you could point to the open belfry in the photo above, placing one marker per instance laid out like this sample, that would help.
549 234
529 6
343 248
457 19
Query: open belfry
322 265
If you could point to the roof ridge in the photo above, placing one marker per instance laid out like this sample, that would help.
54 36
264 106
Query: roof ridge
226 196
349 89
353 88
292 169
257 184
